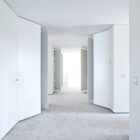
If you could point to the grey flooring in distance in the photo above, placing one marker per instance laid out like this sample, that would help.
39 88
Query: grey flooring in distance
70 117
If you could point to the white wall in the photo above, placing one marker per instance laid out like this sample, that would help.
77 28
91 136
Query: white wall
61 69
112 68
50 69
90 69
8 69
134 70
83 69
44 69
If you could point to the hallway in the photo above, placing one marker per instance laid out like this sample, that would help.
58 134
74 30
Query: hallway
70 117
72 100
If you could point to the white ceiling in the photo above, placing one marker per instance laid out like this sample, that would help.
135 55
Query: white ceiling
54 13
67 41
70 21
81 30
73 37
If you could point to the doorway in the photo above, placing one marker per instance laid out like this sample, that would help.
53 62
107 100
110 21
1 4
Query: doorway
71 68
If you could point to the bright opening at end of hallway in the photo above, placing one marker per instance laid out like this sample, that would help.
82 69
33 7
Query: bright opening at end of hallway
71 68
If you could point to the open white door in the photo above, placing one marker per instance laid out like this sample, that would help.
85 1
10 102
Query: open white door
8 69
29 91
102 69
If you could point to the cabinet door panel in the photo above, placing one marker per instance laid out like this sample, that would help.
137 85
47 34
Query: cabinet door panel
29 91
102 69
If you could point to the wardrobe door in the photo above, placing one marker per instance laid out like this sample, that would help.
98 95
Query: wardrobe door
29 91
102 69
121 68
8 69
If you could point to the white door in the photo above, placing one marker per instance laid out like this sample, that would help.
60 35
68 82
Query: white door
29 90
8 69
121 68
102 69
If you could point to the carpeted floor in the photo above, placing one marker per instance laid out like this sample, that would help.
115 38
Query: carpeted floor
72 100
71 118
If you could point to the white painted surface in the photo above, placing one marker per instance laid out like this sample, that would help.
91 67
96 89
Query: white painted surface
73 12
83 69
44 69
61 69
111 68
8 69
134 70
50 69
90 69
102 76
73 37
79 30
121 68
67 41
29 90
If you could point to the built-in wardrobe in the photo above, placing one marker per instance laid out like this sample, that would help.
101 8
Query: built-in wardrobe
111 68
29 66
19 69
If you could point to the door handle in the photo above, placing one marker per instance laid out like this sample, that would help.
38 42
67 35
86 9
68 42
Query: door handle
123 75
135 80
17 80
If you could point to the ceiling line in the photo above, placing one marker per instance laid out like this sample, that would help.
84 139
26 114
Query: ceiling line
21 16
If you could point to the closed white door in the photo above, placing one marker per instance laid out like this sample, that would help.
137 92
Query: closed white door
8 69
121 68
29 91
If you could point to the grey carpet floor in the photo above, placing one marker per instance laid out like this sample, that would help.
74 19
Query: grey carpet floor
70 117
72 100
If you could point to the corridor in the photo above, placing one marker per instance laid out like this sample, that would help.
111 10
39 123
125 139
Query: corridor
72 100
71 117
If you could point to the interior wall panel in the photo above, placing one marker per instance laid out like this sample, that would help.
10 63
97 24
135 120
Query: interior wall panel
83 69
8 69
